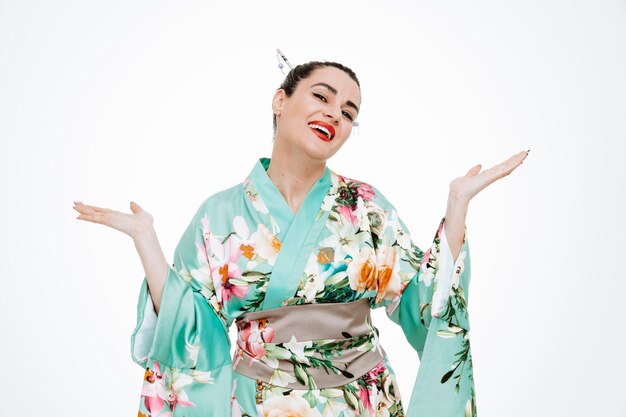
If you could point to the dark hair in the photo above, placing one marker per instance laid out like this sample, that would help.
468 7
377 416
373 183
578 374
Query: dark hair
302 71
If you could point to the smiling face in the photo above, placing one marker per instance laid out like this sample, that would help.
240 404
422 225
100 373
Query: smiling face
317 119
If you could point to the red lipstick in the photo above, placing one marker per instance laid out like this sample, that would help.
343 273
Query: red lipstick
323 130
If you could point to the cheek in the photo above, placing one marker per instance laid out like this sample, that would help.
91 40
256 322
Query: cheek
346 130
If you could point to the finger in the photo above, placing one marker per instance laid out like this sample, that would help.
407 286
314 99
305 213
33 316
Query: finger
94 218
134 207
83 208
99 209
474 170
514 161
505 168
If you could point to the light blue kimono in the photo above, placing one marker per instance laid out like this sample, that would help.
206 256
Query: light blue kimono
245 251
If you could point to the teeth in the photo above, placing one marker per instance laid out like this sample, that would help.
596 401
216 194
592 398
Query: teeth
322 128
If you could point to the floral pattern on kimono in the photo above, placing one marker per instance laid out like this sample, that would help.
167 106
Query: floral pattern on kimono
246 251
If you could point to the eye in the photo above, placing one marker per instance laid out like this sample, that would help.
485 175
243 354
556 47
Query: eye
348 115
321 97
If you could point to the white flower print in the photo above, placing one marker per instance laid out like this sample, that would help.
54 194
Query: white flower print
266 244
314 285
345 238
297 348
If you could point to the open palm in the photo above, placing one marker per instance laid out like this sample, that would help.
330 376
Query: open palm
130 223
466 187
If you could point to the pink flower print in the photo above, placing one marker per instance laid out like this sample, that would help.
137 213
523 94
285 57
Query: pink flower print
364 396
365 191
224 267
235 409
174 399
347 196
372 376
347 212
362 189
153 391
370 386
252 337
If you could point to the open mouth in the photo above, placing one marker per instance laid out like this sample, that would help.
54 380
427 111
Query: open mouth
323 130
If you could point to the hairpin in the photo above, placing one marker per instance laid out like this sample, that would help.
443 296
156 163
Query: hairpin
280 55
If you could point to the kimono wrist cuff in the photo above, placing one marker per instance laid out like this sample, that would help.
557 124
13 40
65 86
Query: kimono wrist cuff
443 276
142 338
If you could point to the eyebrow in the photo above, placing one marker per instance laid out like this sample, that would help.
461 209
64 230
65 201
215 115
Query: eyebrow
333 90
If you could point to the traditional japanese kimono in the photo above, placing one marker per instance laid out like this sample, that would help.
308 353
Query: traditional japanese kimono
299 287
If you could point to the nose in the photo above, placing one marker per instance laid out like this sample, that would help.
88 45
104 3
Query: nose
333 113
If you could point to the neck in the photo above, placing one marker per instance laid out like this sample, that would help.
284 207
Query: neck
294 175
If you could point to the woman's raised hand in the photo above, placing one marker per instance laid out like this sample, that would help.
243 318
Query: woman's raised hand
466 187
133 224
137 225
463 189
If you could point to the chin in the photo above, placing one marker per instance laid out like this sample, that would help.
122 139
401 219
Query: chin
320 153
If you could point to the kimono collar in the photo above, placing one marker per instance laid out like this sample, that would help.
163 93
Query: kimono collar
276 204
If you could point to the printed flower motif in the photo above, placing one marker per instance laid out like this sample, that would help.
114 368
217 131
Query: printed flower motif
292 405
267 245
368 388
427 268
202 273
459 266
376 217
153 390
281 378
176 395
329 200
346 204
254 198
430 261
362 273
192 351
235 409
365 191
388 265
402 237
365 400
349 193
313 285
388 397
345 238
159 390
297 348
243 233
274 354
253 336
224 266
202 377
333 403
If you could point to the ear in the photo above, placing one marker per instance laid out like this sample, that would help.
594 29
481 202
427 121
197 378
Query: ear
278 100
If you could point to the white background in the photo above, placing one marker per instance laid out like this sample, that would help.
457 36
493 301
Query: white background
165 103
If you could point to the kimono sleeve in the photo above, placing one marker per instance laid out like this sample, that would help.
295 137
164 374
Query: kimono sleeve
428 298
185 350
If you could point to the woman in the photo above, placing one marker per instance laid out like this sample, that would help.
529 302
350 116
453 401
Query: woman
296 256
